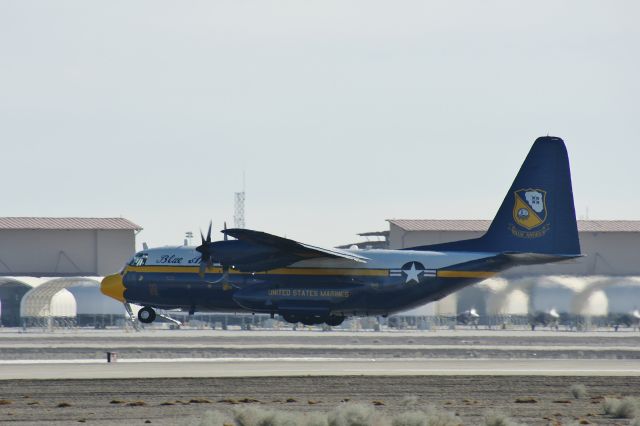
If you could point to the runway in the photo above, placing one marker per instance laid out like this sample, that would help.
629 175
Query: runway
162 372
278 367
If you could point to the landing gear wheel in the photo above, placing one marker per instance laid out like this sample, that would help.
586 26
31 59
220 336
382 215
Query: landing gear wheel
334 320
146 315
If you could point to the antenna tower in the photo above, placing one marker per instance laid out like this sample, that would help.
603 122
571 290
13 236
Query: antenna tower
238 214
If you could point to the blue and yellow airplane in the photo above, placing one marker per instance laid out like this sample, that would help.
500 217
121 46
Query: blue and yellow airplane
260 272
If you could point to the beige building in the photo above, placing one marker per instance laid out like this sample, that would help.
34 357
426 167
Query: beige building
72 246
611 247
606 280
50 268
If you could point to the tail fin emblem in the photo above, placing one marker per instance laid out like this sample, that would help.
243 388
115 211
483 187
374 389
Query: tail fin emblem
530 208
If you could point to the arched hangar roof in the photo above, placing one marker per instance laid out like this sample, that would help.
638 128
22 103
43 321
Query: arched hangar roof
45 300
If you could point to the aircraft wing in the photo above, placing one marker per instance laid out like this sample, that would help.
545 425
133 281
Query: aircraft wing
290 247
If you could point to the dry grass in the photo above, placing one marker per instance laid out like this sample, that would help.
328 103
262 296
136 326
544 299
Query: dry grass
626 408
351 414
5 402
344 415
409 401
431 417
497 418
199 401
578 390
116 401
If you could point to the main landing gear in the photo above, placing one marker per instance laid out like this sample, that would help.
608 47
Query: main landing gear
147 315
331 320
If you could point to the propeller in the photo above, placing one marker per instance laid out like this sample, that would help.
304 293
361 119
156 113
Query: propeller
205 255
206 260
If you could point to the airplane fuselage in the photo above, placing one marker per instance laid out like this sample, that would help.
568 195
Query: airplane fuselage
390 281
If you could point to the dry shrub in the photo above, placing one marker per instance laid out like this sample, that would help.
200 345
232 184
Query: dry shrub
409 401
199 401
255 416
432 417
497 418
315 419
116 401
578 390
351 414
410 418
63 405
136 404
345 415
248 400
377 403
626 408
5 402
168 403
212 418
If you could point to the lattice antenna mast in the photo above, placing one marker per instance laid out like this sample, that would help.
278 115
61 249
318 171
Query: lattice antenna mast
238 215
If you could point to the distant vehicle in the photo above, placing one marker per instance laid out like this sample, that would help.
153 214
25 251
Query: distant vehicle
469 317
627 320
545 319
260 272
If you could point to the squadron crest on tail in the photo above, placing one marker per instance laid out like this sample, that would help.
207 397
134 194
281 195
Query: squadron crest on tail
530 213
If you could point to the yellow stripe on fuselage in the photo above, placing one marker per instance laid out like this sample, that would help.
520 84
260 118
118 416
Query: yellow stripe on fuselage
279 271
465 274
305 271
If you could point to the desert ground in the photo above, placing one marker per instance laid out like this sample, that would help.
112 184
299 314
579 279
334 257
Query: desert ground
175 377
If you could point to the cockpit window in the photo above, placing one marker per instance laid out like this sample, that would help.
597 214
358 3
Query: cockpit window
139 259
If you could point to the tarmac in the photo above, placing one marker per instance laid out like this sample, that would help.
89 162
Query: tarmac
199 368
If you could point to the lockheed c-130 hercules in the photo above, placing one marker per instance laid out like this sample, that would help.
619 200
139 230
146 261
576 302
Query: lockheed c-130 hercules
260 272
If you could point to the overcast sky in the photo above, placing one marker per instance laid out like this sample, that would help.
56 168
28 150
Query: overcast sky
341 113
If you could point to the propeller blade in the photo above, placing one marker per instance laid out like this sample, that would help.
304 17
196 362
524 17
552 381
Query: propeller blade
202 237
226 237
203 268
209 232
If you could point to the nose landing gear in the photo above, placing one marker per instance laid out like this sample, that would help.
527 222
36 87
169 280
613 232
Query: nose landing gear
147 315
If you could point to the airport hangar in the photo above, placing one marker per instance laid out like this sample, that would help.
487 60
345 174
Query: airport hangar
605 281
50 268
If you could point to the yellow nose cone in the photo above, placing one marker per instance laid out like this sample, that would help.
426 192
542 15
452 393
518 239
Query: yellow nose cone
112 286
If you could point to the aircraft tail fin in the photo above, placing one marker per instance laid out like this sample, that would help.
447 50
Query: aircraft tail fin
537 214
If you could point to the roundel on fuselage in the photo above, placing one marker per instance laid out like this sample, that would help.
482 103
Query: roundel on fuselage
412 271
